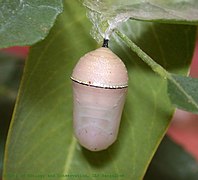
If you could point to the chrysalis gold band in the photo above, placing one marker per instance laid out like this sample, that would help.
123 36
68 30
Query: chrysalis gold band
97 85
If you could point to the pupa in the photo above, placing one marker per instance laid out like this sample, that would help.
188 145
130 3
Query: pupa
100 82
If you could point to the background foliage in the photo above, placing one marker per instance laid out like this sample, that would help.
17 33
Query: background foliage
40 140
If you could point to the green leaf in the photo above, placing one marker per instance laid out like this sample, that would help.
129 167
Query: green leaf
183 92
26 22
108 15
172 11
41 141
172 162
10 73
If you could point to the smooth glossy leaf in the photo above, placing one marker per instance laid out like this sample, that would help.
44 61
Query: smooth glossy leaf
183 92
26 22
172 162
10 73
41 138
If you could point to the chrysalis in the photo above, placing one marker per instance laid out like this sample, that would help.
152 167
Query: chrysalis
100 84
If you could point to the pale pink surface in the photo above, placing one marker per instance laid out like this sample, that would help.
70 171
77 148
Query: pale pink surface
96 115
101 67
97 111
184 127
19 51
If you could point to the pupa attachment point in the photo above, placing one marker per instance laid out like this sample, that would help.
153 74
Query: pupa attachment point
105 43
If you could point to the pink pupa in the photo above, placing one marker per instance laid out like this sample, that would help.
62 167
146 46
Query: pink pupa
100 82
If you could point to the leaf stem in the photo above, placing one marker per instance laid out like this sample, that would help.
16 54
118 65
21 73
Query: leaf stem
145 57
